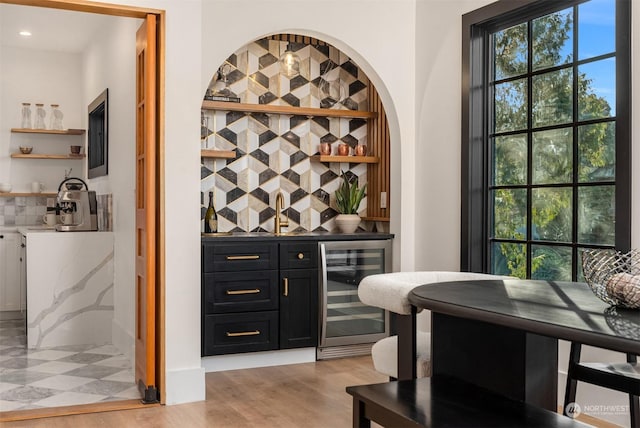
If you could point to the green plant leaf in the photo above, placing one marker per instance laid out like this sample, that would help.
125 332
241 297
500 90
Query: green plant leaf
349 195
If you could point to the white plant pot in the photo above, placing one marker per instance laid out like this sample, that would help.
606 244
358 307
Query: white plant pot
347 223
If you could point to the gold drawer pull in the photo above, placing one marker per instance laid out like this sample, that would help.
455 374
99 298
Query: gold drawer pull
244 333
243 257
286 286
237 292
300 256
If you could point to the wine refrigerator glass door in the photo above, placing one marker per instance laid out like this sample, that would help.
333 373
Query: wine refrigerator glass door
345 319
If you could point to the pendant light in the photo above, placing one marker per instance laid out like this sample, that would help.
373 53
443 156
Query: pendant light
289 63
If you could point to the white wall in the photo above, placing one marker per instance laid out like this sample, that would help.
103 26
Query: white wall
37 76
437 190
108 61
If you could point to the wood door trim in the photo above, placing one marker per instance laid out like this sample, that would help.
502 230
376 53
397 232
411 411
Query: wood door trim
160 205
146 209
49 412
90 7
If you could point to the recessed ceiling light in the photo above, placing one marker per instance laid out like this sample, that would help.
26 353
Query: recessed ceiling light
25 33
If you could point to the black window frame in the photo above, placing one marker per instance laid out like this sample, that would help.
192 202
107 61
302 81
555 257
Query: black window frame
476 161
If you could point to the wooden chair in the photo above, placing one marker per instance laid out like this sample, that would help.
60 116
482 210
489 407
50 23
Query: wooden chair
619 377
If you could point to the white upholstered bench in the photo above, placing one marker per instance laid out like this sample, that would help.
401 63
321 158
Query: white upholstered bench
390 291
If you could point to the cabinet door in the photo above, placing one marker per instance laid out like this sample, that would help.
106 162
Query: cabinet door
298 308
240 291
235 257
243 332
298 255
10 272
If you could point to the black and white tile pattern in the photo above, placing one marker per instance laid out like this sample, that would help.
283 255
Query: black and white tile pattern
273 151
59 376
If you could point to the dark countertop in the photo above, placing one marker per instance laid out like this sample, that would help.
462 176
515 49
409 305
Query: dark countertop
297 236
565 310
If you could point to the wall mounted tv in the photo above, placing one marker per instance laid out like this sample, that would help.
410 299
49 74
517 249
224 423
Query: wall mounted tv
98 136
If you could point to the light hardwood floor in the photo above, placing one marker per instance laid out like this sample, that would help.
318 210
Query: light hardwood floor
295 396
300 395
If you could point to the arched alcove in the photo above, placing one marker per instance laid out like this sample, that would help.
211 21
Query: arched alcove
262 127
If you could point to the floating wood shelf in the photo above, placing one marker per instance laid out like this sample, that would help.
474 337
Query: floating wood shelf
385 219
48 131
14 194
297 111
45 156
220 154
350 159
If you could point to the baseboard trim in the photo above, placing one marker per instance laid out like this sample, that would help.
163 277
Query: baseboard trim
185 386
258 359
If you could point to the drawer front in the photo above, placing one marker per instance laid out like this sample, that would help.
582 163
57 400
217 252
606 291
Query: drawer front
240 291
233 333
239 257
298 255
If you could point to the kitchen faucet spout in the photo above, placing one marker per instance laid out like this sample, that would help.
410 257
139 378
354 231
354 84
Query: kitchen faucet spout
278 222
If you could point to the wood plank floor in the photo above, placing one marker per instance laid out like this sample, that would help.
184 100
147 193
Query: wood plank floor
300 395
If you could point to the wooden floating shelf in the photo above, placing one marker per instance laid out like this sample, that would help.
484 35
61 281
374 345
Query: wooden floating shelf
296 111
220 154
350 159
48 131
11 195
44 156
385 219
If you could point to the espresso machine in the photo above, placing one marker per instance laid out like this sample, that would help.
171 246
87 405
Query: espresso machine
78 207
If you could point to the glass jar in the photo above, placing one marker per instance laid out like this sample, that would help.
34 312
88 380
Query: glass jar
26 116
40 115
56 118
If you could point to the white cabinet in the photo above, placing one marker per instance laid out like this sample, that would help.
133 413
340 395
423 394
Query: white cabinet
10 284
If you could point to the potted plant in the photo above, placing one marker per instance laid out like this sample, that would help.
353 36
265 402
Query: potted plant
348 198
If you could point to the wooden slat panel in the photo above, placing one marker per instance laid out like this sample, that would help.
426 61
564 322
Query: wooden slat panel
378 174
297 38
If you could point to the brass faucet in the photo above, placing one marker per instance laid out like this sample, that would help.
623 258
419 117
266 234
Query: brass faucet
278 223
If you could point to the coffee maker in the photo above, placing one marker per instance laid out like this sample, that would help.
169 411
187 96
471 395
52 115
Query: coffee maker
78 207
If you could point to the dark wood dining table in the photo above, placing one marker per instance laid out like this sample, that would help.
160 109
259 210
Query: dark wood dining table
503 335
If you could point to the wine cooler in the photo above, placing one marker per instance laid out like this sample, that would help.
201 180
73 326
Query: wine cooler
348 326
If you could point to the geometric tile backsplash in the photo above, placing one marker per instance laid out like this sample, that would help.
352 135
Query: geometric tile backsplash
273 150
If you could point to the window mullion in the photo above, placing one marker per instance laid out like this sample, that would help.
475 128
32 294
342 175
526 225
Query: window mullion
528 238
574 222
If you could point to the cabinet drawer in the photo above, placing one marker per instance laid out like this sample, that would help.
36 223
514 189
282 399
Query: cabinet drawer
233 333
240 291
239 257
298 255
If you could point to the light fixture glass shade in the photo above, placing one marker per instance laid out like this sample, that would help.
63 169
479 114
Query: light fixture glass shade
289 63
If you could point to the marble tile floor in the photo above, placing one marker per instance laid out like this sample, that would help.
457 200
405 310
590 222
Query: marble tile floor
59 376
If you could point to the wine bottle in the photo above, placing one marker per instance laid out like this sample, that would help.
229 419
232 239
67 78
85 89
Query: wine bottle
210 217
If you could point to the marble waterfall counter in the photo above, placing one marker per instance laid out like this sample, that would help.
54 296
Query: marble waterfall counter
69 287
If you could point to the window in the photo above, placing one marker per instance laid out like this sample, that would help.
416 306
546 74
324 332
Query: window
546 135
